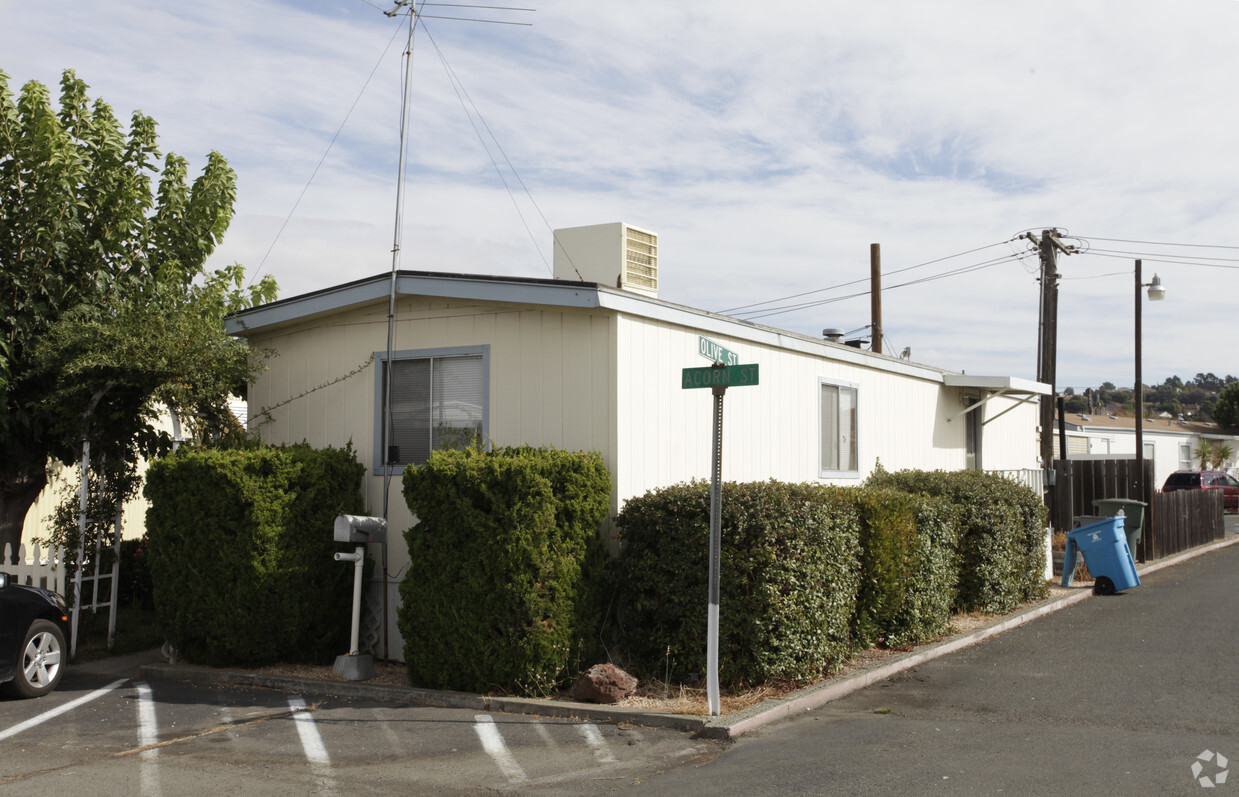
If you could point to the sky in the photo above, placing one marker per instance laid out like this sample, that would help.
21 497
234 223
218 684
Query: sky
767 144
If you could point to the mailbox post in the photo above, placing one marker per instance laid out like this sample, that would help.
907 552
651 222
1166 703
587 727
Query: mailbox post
359 529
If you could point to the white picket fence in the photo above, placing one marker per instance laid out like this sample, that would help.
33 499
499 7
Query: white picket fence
36 568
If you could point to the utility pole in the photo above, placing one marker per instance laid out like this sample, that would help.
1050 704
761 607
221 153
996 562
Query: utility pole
1048 247
875 295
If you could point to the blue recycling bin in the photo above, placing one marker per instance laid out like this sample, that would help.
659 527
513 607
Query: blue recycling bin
1104 547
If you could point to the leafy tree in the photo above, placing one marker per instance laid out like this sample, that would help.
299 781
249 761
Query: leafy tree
1076 404
1226 411
105 307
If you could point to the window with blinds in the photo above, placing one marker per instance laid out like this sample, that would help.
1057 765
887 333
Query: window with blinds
436 403
838 429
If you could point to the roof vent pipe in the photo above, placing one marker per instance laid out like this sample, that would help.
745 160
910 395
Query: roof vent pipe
833 334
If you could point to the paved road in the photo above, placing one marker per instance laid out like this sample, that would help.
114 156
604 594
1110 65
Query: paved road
98 735
1115 695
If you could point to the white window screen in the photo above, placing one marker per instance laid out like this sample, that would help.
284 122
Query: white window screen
838 428
436 402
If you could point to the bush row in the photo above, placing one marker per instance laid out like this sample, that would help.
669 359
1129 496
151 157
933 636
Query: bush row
811 573
1001 534
502 592
241 552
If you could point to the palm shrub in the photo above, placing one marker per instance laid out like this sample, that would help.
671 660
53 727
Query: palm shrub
506 560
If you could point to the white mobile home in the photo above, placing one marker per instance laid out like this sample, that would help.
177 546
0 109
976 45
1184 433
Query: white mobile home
585 366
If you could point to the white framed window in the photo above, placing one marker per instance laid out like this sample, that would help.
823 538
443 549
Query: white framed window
439 399
838 430
1185 456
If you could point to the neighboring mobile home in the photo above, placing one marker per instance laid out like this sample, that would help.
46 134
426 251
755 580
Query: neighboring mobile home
578 364
1170 444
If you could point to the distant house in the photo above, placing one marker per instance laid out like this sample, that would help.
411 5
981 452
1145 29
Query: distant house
593 360
1170 444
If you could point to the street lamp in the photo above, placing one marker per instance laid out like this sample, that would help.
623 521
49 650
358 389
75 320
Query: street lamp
1156 294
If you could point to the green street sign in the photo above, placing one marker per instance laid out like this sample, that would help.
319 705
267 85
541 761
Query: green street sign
730 376
716 353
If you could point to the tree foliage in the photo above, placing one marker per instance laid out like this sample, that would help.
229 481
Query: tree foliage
104 306
1226 411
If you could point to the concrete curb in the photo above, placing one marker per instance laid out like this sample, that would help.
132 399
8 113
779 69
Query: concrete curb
726 727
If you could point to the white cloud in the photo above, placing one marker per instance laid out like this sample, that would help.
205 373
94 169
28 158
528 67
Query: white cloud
767 144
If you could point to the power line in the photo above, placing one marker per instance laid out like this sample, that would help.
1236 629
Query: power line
943 275
1155 243
459 87
1183 260
862 280
326 152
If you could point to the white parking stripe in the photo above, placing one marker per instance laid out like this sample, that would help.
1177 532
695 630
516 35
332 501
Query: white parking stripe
56 712
492 743
594 737
148 734
311 742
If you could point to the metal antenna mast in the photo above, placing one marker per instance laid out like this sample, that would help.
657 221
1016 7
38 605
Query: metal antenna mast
389 460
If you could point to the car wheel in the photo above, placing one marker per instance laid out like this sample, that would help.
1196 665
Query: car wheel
41 661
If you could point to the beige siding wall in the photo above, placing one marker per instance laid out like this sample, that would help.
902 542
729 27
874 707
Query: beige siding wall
600 380
771 430
1011 439
549 381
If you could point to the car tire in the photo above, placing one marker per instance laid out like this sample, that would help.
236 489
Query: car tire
40 661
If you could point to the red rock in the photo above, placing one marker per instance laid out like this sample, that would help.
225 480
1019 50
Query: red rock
603 683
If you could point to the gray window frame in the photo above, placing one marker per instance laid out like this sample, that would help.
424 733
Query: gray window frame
380 359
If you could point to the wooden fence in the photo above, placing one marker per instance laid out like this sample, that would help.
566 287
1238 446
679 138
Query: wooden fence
1184 519
1173 521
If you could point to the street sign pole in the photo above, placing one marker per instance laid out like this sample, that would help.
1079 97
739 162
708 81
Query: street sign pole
718 377
716 546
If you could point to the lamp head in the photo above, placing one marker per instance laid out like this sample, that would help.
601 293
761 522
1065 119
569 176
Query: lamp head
1156 291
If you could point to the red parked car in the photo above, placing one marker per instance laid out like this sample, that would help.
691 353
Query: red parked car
1206 480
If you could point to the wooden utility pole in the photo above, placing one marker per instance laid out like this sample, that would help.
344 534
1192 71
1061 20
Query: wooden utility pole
1048 247
1049 342
875 295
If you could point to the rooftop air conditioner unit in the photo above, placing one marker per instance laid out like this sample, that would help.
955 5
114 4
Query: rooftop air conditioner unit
610 254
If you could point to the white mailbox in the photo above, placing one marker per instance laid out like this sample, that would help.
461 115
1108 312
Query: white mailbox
360 529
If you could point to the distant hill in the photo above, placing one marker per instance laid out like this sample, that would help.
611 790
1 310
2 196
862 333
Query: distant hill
1194 399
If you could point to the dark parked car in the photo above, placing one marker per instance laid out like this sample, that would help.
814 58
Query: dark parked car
34 625
1206 480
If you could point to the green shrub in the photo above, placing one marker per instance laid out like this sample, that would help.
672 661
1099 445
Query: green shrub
502 590
908 568
241 552
1001 526
925 609
788 581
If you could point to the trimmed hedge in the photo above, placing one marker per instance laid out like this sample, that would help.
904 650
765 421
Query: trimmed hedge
788 581
1002 531
506 558
241 553
908 568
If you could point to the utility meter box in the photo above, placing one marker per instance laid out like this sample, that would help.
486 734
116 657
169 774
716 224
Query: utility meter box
360 529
